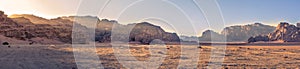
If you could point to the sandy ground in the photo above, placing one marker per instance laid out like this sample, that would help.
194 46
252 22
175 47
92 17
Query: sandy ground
35 57
236 57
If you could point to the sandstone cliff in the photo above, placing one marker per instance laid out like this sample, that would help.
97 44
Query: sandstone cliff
59 30
243 32
285 32
238 33
210 35
138 32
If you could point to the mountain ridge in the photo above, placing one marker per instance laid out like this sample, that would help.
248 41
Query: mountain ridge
60 29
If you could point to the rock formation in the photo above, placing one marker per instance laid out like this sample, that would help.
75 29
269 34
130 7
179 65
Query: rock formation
285 32
9 28
238 33
138 32
210 35
37 29
145 33
242 33
59 30
258 38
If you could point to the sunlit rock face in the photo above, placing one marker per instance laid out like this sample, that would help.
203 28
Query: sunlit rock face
9 28
145 33
285 32
59 30
37 29
243 32
237 33
138 32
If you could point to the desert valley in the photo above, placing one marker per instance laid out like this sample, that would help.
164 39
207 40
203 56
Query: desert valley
32 42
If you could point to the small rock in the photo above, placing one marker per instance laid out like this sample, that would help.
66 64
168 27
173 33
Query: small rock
160 52
171 46
199 47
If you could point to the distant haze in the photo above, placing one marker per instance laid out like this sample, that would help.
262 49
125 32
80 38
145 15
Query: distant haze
236 12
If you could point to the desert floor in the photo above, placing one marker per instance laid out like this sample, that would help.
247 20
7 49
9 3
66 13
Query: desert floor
236 57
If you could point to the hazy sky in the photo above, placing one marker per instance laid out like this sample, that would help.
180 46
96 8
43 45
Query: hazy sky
181 16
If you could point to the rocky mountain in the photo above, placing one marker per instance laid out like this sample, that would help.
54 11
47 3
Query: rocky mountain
237 33
285 32
34 19
210 35
143 32
59 30
41 30
243 32
9 28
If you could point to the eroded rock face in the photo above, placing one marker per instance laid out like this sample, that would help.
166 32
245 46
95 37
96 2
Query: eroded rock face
285 32
242 33
145 33
9 28
57 30
29 28
210 35
139 32
239 33
36 29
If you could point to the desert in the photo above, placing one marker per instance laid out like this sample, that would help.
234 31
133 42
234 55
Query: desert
236 57
149 34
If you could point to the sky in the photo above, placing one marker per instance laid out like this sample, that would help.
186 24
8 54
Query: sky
180 16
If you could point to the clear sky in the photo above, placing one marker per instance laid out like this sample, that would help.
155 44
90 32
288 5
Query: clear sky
181 16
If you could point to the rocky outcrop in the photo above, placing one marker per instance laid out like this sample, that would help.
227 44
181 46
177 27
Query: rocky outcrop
242 33
59 30
145 33
37 27
258 38
138 32
9 28
34 19
285 32
210 35
238 33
